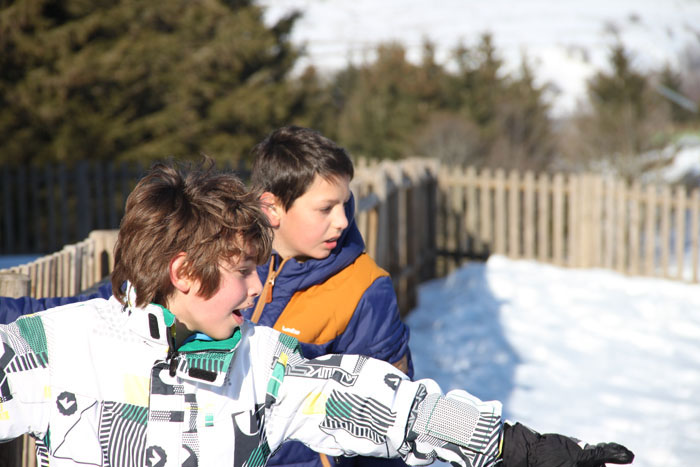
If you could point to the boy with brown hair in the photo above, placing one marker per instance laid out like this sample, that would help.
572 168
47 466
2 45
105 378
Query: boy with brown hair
167 373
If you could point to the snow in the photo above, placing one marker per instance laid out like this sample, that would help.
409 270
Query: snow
566 40
588 353
685 156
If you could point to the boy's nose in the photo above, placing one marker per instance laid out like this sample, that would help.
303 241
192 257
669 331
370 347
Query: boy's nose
341 220
254 284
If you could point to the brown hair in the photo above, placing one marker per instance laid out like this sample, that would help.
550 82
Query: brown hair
287 160
208 215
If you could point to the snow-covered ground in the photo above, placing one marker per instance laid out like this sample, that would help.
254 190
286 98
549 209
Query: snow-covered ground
565 40
588 353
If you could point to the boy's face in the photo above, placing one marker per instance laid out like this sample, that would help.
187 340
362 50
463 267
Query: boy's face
219 316
310 228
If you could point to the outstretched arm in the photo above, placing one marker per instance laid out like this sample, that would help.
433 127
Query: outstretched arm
352 405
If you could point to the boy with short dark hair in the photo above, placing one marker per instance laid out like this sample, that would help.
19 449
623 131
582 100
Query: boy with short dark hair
321 287
320 284
174 376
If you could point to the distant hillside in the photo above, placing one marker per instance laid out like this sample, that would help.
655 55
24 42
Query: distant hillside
567 40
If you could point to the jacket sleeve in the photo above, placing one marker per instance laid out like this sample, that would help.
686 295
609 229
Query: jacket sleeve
354 405
24 377
13 308
376 329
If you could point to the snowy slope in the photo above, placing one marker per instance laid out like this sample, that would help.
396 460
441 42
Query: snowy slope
588 353
567 40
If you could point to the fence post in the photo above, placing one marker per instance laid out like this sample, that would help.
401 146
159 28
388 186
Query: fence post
514 227
486 214
13 284
529 199
543 215
694 229
679 228
20 451
665 236
558 222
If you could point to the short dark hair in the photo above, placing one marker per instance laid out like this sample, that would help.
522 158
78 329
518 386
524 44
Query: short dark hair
287 160
195 209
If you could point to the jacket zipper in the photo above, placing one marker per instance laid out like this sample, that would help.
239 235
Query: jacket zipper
266 294
172 351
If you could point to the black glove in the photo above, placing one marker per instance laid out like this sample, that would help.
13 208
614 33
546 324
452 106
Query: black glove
523 447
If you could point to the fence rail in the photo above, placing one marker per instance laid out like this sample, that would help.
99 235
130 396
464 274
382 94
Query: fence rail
581 221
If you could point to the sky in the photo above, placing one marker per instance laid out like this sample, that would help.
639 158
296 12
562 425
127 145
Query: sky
565 40
584 352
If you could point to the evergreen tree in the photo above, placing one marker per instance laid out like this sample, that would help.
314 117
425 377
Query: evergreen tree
683 110
525 128
627 118
390 108
140 80
509 113
478 85
380 107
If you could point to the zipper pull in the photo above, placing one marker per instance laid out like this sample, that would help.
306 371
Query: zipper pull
172 351
271 284
173 365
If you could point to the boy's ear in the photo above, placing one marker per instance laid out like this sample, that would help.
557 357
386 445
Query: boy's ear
271 206
179 281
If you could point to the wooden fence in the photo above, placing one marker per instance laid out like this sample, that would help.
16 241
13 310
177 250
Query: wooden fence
397 215
45 208
395 204
72 269
419 220
582 221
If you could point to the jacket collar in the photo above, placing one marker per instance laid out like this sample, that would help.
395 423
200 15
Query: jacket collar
199 359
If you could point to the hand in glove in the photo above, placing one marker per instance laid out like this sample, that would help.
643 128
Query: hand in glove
523 447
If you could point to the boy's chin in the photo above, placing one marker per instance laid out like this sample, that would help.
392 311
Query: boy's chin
222 336
322 254
315 255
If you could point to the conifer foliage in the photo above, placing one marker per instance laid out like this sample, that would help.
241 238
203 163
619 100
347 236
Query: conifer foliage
143 80
140 80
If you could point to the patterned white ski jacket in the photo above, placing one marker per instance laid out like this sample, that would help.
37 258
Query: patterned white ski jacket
96 384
